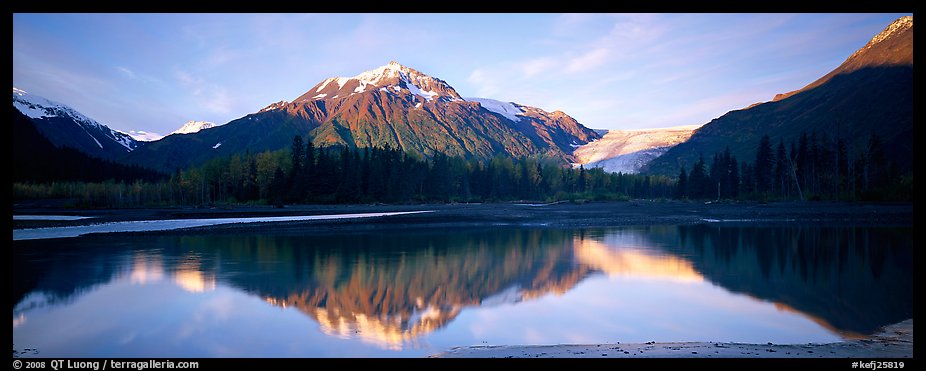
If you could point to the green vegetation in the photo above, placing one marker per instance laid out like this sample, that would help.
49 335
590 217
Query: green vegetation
815 168
305 174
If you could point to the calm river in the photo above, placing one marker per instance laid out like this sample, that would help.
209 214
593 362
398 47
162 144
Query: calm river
419 292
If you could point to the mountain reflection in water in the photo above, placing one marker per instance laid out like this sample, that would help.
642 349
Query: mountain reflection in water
391 289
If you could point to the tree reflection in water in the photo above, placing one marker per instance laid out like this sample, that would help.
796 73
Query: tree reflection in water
390 288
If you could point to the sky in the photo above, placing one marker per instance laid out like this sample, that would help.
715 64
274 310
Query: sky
153 72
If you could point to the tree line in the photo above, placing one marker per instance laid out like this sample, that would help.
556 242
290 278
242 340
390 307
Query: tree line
814 167
306 174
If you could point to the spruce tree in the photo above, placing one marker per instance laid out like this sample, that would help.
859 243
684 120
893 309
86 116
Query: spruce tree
681 188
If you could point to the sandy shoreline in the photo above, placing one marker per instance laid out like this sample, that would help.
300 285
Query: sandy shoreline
895 341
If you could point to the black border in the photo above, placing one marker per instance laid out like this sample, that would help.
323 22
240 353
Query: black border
417 6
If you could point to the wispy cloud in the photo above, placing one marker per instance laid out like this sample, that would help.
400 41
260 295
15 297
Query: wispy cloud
219 101
127 72
536 66
211 96
486 86
589 60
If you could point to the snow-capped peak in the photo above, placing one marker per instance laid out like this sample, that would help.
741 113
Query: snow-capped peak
508 109
193 127
37 107
274 106
374 76
899 25
392 76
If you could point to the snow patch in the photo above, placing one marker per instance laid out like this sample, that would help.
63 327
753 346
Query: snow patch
341 81
322 95
32 111
898 25
124 139
506 109
143 136
374 76
418 105
191 127
426 94
324 84
217 145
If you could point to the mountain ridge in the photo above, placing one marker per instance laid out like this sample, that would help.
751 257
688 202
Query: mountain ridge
870 93
65 126
391 105
857 59
193 126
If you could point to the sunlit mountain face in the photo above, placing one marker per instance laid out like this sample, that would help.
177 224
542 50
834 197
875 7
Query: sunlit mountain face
392 106
412 292
871 92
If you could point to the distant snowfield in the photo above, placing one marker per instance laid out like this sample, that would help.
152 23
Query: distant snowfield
143 136
164 225
627 151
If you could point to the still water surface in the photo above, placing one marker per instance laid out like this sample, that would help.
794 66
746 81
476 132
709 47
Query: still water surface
419 292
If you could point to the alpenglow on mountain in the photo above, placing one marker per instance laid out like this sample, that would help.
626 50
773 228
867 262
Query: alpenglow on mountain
63 126
192 126
871 92
628 151
392 105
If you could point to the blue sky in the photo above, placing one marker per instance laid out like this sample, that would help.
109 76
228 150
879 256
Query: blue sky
154 72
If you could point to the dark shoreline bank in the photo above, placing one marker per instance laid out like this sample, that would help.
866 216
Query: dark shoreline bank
593 214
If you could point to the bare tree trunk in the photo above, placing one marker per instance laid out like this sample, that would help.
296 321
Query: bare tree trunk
794 176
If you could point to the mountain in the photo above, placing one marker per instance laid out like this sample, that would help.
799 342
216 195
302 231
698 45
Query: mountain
191 127
627 151
392 105
38 160
63 126
870 93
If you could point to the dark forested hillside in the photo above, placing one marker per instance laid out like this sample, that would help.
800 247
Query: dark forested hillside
37 160
870 93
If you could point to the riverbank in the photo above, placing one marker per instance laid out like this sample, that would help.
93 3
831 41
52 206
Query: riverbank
895 341
593 214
